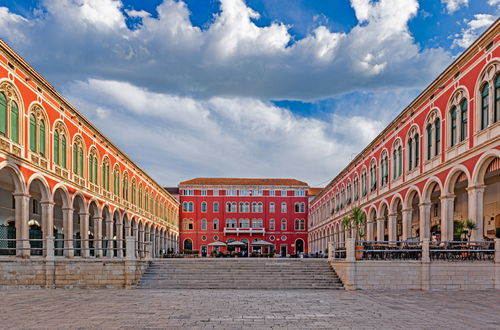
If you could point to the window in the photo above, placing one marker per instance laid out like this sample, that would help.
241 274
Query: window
259 207
14 122
384 169
105 176
271 193
93 165
188 192
259 223
216 224
228 207
125 187
397 161
203 207
216 193
283 193
485 106
300 207
243 192
37 133
297 224
429 141
8 100
254 223
233 223
453 126
134 193
271 224
3 114
231 192
187 224
437 137
300 193
356 188
203 192
496 115
78 157
116 181
244 223
203 224
413 148
373 176
283 207
60 145
363 183
463 120
271 207
216 207
228 223
254 207
283 224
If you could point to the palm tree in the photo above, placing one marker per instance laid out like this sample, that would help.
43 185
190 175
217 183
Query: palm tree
470 226
358 219
346 222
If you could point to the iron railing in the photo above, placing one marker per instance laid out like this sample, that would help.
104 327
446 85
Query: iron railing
388 250
462 251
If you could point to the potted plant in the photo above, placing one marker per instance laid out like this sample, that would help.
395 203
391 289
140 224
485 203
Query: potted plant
356 220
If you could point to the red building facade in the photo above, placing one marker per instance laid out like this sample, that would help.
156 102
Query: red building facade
244 210
434 166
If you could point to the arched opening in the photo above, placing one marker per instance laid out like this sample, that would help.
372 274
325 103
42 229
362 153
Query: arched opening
414 221
382 223
80 226
489 177
371 234
107 232
299 246
118 234
61 207
435 211
38 221
397 211
8 226
188 245
94 229
458 187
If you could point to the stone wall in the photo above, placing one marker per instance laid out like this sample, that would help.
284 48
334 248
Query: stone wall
69 273
417 275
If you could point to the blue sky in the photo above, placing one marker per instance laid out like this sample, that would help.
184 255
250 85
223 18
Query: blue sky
257 88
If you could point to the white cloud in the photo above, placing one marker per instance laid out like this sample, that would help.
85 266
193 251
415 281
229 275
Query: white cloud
176 137
494 2
232 56
454 5
474 28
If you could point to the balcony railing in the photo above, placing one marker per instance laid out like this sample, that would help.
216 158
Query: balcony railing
247 231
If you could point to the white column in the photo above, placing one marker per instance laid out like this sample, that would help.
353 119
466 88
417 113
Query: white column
447 217
369 231
392 227
406 219
380 229
425 220
48 227
119 242
109 237
84 234
22 203
142 236
68 232
97 236
476 210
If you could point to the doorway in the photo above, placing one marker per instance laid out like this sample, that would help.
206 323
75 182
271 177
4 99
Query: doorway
283 251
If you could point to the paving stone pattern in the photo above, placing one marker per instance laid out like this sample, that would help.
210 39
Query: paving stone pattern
248 309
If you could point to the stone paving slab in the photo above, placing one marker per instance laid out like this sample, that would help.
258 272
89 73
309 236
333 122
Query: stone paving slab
248 309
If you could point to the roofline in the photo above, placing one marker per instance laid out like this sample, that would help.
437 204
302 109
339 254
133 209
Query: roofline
40 80
473 49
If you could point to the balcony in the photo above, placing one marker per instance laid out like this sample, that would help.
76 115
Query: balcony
245 231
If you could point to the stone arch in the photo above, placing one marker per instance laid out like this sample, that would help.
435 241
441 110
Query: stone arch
395 199
383 207
482 164
16 175
410 193
487 76
429 187
451 178
62 191
43 186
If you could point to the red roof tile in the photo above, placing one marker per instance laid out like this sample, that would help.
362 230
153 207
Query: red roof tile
243 182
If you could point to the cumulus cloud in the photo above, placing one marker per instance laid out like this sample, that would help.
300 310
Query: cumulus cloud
231 57
494 2
474 28
454 5
176 136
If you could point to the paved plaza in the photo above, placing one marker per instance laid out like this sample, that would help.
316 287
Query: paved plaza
230 309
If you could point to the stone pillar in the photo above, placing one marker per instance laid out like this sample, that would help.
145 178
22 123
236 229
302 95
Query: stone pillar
425 220
141 243
48 226
425 270
369 231
380 229
69 252
22 230
392 227
497 263
350 250
330 251
97 236
447 217
476 210
406 219
130 246
109 237
119 240
84 234
49 248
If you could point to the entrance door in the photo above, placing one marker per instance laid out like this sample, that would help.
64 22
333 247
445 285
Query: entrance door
299 246
203 250
283 251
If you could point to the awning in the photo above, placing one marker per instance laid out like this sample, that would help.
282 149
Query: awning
262 243
236 243
217 243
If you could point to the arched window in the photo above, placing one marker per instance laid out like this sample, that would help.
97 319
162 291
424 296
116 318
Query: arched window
185 207
203 207
397 160
297 224
116 181
356 187
14 122
37 132
363 183
93 166
134 194
453 126
283 224
254 207
437 136
271 224
373 176
384 169
228 207
463 120
216 207
259 207
125 189
32 132
139 199
413 148
3 114
216 224
78 155
105 176
496 115
429 141
485 106
63 151
203 224
56 148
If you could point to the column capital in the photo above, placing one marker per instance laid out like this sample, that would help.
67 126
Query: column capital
479 187
47 203
21 195
97 218
426 203
407 210
447 197
393 214
380 219
68 209
84 214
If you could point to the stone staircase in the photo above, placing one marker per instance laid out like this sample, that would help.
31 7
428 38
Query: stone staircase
240 273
